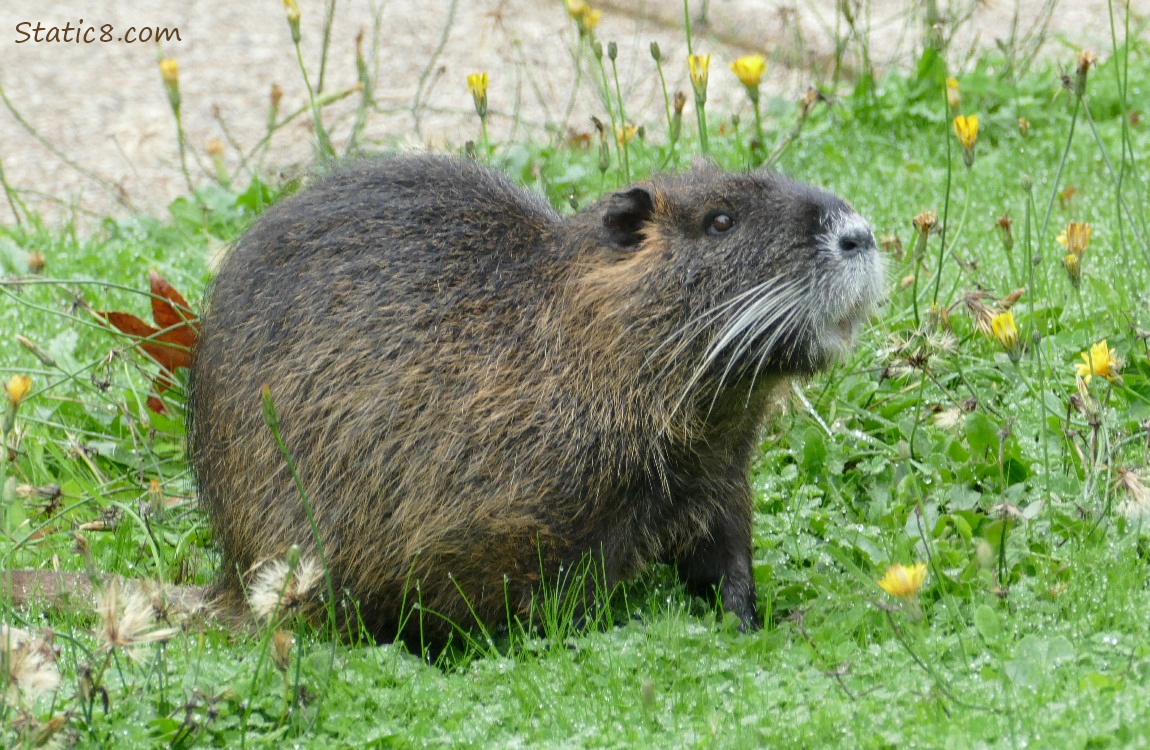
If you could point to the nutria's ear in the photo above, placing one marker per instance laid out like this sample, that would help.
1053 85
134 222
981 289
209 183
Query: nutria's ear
626 213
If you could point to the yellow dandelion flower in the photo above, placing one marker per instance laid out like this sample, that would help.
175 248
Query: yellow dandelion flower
477 85
902 581
1075 237
625 134
966 128
749 70
1005 332
575 8
699 65
1098 361
17 389
585 17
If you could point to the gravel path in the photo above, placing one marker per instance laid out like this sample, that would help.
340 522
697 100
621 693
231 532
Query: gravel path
105 137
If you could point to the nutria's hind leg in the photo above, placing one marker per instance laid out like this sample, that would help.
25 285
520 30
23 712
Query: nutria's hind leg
720 564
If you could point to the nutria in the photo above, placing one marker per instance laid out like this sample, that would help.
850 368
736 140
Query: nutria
479 393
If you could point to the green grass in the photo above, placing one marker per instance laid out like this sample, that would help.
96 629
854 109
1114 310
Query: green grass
1030 629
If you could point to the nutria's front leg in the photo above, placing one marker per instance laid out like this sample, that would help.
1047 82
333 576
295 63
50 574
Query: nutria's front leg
720 563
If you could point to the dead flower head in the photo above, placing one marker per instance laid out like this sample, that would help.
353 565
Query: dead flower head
1004 230
1086 60
981 313
128 619
948 419
1075 238
1136 504
277 588
28 663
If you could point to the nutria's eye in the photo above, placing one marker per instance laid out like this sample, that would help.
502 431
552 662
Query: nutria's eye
720 223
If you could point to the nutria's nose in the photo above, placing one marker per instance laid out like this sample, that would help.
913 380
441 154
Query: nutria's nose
856 240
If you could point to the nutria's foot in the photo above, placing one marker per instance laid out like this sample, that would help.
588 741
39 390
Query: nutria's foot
719 567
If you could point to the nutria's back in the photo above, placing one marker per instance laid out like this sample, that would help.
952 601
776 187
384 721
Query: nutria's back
478 392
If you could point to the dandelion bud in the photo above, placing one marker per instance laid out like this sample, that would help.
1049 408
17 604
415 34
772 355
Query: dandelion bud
656 54
1023 126
37 352
1011 299
597 50
1026 182
157 503
170 74
612 51
1073 265
281 650
604 149
170 71
925 224
291 8
271 419
952 97
35 262
274 98
1005 232
677 115
1086 60
699 65
214 148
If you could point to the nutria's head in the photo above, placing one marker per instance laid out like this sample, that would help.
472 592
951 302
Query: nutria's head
738 274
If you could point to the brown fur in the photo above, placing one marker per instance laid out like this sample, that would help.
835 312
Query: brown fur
479 393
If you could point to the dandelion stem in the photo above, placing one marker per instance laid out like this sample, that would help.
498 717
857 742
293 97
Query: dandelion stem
328 18
1117 179
1058 174
666 98
325 148
945 206
621 134
14 199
